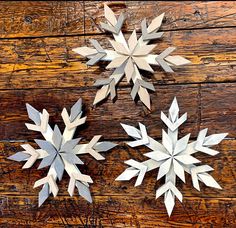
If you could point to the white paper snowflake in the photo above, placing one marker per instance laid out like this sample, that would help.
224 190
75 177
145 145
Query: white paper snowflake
173 156
60 152
128 58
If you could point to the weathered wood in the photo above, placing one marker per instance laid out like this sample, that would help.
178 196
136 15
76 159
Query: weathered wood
198 104
41 18
53 18
178 14
108 115
218 101
104 173
51 63
37 65
117 211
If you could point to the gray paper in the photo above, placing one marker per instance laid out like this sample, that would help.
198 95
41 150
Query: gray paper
173 156
47 161
57 137
76 110
69 145
45 145
84 191
104 146
129 57
33 114
43 194
19 156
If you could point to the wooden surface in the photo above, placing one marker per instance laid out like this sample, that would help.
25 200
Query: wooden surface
38 66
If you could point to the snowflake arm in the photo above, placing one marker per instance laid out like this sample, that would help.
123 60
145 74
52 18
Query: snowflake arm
172 156
60 152
141 138
129 57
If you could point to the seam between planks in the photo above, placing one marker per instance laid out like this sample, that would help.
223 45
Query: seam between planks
122 86
119 195
96 34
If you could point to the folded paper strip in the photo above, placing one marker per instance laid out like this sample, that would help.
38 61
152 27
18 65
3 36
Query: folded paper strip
172 156
129 57
59 151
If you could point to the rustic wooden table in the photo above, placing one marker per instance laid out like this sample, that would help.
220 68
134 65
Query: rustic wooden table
39 67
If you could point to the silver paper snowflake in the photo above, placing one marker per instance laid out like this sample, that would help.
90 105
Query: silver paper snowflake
60 152
173 156
128 58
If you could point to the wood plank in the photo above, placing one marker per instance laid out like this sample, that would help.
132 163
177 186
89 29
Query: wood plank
37 65
219 101
15 181
41 18
200 103
50 62
178 15
51 18
108 115
117 211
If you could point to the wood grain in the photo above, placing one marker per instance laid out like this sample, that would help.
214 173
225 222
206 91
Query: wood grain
41 18
117 211
104 173
51 63
213 109
37 66
53 18
220 103
178 14
109 115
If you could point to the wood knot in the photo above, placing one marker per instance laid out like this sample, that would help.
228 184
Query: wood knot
28 19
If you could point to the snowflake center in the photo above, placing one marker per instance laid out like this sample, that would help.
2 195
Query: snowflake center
131 53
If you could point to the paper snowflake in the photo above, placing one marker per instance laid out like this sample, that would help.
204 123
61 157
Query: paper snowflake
60 152
173 156
128 58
